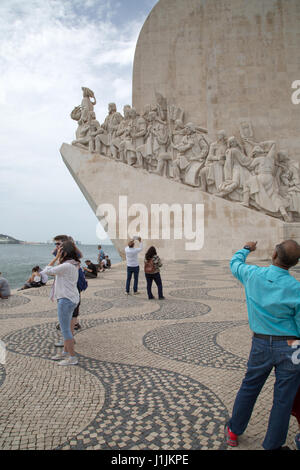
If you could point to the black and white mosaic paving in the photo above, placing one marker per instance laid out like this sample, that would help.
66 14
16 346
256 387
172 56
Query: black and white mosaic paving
151 408
2 374
13 301
87 307
194 343
205 293
143 406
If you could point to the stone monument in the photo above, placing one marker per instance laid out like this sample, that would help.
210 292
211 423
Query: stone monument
203 130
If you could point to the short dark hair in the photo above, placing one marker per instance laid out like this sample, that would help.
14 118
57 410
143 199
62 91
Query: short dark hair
87 261
288 253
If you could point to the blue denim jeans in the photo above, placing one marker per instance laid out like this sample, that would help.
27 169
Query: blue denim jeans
157 279
135 272
265 355
65 309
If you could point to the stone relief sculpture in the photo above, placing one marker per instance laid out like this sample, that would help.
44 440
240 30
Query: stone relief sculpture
254 174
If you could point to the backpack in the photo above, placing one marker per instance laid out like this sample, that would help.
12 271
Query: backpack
149 267
82 282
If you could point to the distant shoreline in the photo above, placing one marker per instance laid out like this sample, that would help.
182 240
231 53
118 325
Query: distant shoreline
4 242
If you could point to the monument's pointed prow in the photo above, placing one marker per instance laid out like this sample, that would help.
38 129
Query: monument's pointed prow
226 224
200 164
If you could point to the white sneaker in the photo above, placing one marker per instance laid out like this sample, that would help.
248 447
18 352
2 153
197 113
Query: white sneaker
71 361
60 357
136 293
60 344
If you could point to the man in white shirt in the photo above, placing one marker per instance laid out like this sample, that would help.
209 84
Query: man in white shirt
133 265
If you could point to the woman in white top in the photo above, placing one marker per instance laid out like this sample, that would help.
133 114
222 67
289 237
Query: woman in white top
66 293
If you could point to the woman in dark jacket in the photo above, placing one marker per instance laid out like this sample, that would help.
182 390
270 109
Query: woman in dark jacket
152 272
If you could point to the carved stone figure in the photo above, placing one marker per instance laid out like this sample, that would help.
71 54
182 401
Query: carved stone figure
111 125
87 105
246 133
262 187
84 115
197 154
212 175
181 163
236 171
94 129
192 151
82 132
159 141
293 190
118 142
156 139
135 133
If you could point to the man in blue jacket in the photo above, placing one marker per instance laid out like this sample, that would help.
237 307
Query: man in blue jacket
273 303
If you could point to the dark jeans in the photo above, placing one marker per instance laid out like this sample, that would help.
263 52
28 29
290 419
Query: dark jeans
90 275
76 311
264 355
296 407
157 279
135 272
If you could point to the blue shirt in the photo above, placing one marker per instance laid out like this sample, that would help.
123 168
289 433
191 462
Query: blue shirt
272 295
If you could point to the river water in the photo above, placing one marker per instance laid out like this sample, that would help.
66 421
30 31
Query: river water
17 261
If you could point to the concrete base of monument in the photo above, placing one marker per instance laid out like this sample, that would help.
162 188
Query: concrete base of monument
216 234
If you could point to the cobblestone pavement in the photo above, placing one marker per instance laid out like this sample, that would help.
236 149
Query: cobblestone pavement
156 375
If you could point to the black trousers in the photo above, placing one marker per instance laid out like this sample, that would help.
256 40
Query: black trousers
157 279
90 275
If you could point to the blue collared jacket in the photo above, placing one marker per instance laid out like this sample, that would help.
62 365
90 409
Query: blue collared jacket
272 295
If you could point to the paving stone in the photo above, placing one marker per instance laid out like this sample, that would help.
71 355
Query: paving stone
177 365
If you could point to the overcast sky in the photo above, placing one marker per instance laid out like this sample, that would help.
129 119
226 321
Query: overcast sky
48 50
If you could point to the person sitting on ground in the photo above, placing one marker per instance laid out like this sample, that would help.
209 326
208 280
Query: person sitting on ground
102 266
91 270
4 288
44 277
37 279
152 267
105 264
